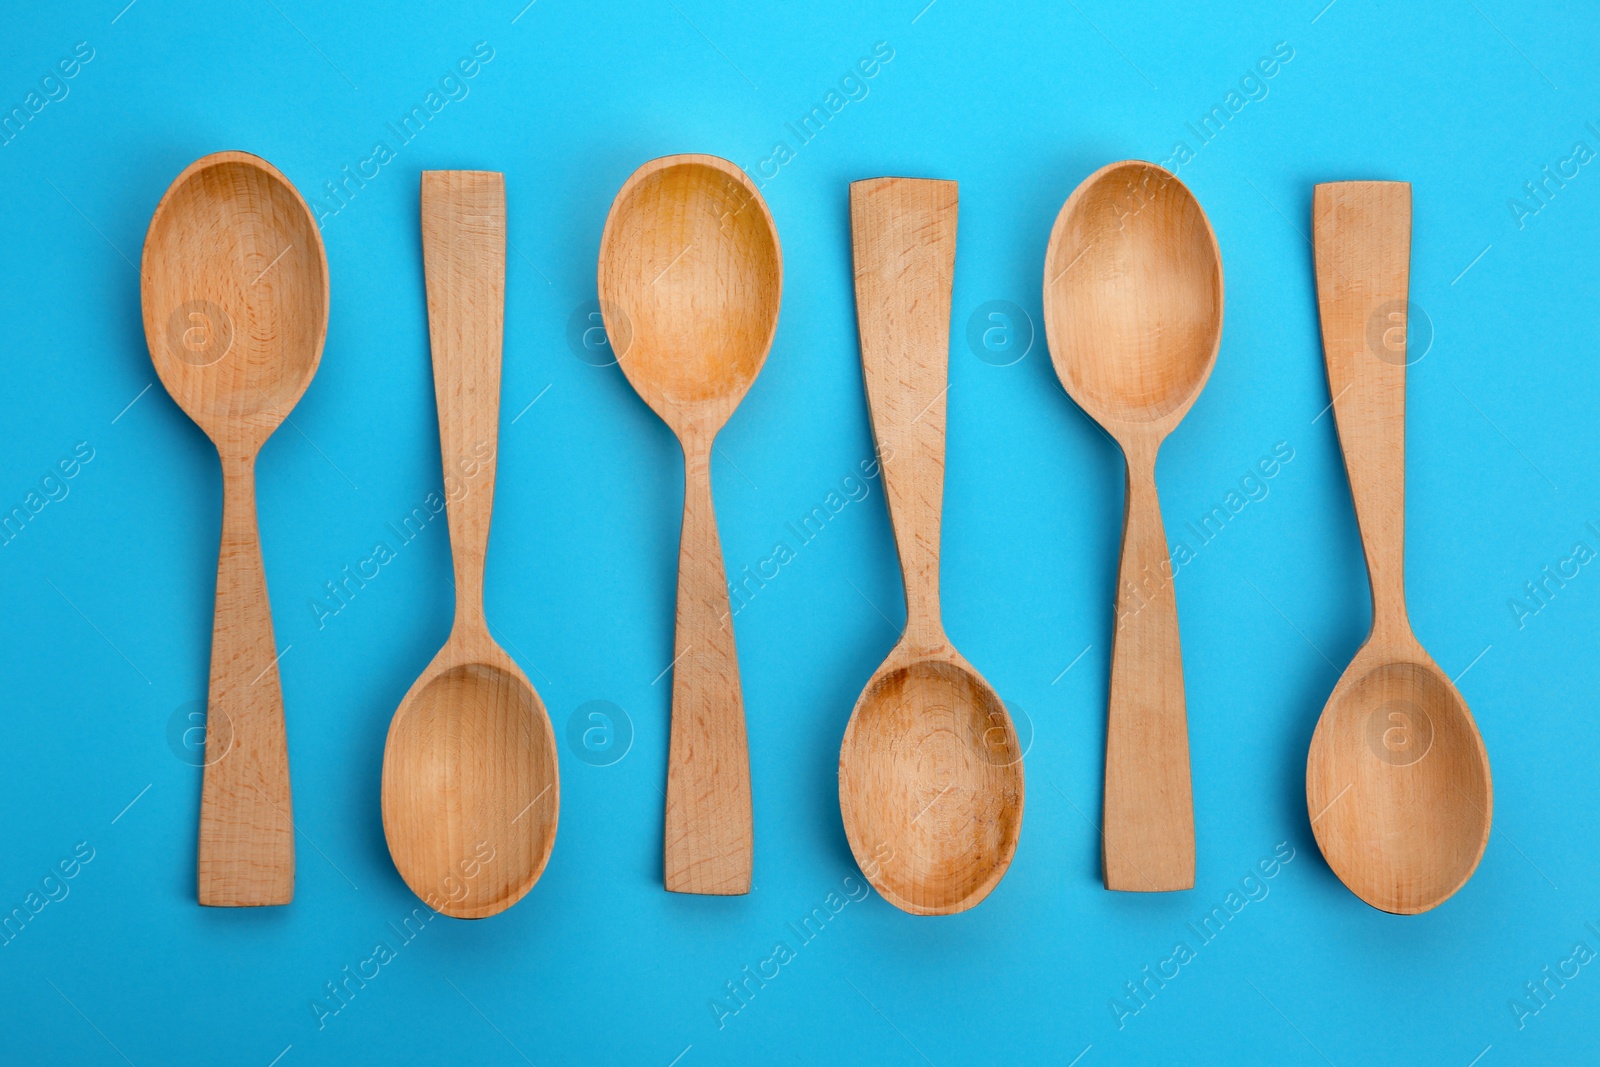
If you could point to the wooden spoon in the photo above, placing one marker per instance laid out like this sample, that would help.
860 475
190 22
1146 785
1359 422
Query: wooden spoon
1397 781
471 790
930 771
690 280
1133 312
235 305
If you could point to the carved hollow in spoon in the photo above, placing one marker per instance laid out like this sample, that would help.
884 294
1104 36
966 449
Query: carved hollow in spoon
471 788
1133 313
930 770
235 306
690 280
1397 780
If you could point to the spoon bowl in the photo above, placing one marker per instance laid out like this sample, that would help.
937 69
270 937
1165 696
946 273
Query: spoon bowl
1133 295
1415 790
235 300
690 277
468 758
930 784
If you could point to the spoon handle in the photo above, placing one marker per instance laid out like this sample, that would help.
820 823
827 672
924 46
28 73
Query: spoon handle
1362 235
246 854
464 260
1148 843
903 233
709 835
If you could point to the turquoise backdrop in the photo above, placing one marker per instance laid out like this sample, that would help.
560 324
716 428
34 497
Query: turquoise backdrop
1490 109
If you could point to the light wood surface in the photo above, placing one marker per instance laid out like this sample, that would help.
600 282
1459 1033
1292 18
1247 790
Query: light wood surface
1397 781
471 790
930 770
235 302
690 277
1133 313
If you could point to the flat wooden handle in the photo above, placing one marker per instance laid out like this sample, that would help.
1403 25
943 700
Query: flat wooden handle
464 260
903 235
1148 844
246 820
709 836
1362 235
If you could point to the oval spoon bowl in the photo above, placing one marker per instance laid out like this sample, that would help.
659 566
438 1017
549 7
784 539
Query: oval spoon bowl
931 790
1133 295
235 294
463 755
1398 784
678 233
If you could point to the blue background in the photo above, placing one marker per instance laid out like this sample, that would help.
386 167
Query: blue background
106 627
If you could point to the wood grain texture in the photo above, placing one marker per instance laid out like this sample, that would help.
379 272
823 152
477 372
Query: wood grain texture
1397 779
1133 313
930 769
690 280
471 787
234 298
